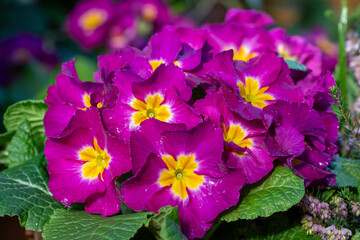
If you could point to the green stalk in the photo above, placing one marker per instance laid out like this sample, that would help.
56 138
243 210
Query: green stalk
342 28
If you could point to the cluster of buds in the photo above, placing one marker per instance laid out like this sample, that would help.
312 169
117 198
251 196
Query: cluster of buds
340 207
355 209
312 227
320 213
330 233
320 210
352 50
333 233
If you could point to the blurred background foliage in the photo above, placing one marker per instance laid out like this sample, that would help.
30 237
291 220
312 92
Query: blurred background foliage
45 19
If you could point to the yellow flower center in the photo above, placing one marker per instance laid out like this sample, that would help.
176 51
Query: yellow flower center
156 63
285 53
97 161
151 108
149 12
242 53
180 174
92 19
236 135
253 94
87 102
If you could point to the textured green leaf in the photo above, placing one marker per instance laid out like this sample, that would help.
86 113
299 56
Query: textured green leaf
31 110
279 192
24 192
352 167
294 233
344 178
22 146
74 225
166 224
295 65
171 226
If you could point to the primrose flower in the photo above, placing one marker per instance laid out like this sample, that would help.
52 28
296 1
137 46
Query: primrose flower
155 12
68 96
185 170
246 42
193 37
299 134
161 97
84 165
165 47
127 58
124 29
89 22
244 145
261 81
298 49
320 38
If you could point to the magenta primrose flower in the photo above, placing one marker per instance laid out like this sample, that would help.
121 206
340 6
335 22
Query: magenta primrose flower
299 134
69 95
89 21
84 165
161 97
184 170
244 145
165 47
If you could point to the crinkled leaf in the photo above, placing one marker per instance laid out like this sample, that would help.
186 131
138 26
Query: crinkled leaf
166 224
22 147
295 65
24 192
31 110
295 233
74 225
279 192
344 178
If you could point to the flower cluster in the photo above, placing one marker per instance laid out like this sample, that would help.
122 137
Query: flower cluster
195 115
339 207
321 213
352 50
96 22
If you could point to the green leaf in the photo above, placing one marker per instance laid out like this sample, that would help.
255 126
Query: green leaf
74 225
24 192
279 192
342 59
171 227
353 168
356 236
22 147
166 224
344 178
4 159
295 233
31 110
295 65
